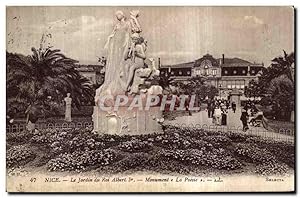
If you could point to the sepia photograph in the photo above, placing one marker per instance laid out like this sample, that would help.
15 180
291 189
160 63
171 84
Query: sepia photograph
150 99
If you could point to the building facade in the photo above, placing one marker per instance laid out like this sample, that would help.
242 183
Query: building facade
226 74
95 73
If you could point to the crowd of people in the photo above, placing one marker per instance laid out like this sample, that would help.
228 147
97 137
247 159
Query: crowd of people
217 109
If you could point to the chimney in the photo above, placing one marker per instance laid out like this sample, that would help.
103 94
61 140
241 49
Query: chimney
158 63
223 58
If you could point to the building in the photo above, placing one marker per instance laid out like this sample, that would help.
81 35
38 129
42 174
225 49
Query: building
227 74
95 73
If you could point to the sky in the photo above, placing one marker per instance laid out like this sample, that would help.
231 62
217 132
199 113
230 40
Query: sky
175 34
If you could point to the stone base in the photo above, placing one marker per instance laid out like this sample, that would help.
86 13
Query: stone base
128 122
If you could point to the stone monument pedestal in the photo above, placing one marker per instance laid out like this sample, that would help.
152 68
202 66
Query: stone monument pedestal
128 122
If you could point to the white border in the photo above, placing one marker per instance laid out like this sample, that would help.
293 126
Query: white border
4 3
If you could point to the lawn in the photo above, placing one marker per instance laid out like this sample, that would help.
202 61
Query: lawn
178 150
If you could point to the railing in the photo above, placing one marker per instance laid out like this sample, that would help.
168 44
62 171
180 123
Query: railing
285 135
282 135
41 126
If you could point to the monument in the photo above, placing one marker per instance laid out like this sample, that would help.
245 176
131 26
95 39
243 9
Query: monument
68 101
128 77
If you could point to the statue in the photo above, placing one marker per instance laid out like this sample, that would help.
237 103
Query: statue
126 74
138 57
68 101
117 49
135 25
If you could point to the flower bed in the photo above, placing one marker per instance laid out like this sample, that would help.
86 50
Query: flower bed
180 150
19 155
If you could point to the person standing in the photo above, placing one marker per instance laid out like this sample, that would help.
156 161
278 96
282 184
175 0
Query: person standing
224 116
209 109
218 114
233 106
244 119
227 104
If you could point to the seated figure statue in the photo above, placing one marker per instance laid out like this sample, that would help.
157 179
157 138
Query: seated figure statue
138 57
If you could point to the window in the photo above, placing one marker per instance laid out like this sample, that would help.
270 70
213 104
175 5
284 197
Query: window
234 72
226 72
214 72
197 72
205 72
180 73
188 72
162 72
244 71
172 72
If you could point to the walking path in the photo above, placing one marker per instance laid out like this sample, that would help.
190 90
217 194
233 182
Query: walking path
233 124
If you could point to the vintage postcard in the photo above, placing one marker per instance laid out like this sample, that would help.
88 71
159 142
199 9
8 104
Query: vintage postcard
150 99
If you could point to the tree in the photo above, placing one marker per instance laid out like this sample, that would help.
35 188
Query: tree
165 81
252 90
276 86
37 84
281 96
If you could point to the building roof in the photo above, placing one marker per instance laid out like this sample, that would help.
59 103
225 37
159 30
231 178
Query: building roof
228 62
87 68
238 62
235 62
181 65
214 62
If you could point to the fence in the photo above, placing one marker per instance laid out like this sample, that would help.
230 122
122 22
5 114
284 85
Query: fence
285 135
40 126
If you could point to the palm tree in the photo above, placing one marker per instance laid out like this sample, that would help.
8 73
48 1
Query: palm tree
165 81
37 82
286 63
276 85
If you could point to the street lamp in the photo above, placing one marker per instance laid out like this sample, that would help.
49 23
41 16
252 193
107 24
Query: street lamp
220 86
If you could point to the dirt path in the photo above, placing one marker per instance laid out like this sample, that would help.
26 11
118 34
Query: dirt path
200 119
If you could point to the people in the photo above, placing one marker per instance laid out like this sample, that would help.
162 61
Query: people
227 104
244 119
233 106
210 106
223 115
218 114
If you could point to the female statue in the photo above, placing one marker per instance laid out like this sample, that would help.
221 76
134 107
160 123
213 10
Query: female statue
117 49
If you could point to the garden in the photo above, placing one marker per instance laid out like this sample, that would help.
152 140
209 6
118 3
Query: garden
178 150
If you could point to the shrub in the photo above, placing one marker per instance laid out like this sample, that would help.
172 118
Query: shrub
81 160
217 140
271 168
283 151
236 137
217 158
172 141
19 155
252 153
135 145
200 144
135 160
19 137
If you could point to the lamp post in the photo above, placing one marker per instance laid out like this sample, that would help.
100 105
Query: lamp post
220 86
